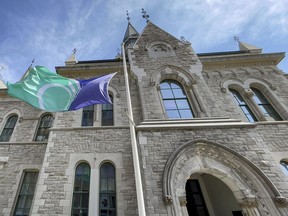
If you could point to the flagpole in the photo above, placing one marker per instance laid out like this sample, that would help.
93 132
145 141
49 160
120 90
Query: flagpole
136 163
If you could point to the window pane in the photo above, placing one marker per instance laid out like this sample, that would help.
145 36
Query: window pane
107 114
107 195
81 189
173 114
88 116
185 113
242 104
182 104
43 128
8 128
25 197
175 100
264 105
178 93
167 94
170 104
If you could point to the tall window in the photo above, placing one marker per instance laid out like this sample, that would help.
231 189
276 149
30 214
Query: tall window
81 190
8 128
88 116
107 113
242 104
43 128
26 194
284 166
107 190
264 105
175 100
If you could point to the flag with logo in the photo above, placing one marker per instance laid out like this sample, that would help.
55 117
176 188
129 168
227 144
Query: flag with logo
51 92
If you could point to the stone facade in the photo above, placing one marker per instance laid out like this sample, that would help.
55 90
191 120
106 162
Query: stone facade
219 146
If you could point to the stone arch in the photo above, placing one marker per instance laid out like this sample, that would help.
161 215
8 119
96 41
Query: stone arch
246 181
227 82
172 72
115 91
160 49
268 90
18 111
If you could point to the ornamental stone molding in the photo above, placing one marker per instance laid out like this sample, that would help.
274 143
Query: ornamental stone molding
245 83
172 72
246 181
168 199
248 202
281 201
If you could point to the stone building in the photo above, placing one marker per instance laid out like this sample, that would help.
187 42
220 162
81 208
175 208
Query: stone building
211 129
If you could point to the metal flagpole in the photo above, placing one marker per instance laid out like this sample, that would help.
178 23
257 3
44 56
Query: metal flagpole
138 180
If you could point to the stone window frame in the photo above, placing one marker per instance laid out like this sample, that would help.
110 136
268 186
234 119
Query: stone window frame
265 87
239 173
114 92
284 166
17 186
110 162
175 99
93 116
38 124
189 85
94 160
3 120
80 192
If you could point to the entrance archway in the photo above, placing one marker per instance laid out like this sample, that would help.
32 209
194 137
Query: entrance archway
207 195
252 190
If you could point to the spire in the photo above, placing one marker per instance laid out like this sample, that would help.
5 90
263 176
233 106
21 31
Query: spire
131 34
247 47
72 59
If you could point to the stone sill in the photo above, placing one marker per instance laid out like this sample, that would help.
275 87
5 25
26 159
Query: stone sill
89 128
196 123
24 143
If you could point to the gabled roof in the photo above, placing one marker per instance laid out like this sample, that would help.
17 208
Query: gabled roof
130 33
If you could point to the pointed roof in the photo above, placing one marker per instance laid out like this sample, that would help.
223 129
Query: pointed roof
130 33
248 47
71 60
2 85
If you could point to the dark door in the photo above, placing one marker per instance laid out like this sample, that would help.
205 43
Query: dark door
195 201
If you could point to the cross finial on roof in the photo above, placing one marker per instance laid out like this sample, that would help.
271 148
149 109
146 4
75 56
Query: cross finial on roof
236 38
145 15
32 62
74 51
127 13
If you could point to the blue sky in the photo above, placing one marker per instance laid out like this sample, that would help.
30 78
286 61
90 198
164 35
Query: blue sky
49 30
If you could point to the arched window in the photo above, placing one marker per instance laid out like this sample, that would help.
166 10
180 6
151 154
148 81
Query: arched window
81 190
107 190
264 105
107 113
88 116
26 193
284 166
175 100
43 128
8 128
242 104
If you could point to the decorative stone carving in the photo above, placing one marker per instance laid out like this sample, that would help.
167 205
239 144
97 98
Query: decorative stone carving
182 201
281 201
248 203
249 93
1 119
168 199
20 119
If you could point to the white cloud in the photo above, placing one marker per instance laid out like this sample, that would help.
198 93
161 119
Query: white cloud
96 28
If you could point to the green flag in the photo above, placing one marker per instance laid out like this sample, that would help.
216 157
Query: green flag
45 90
